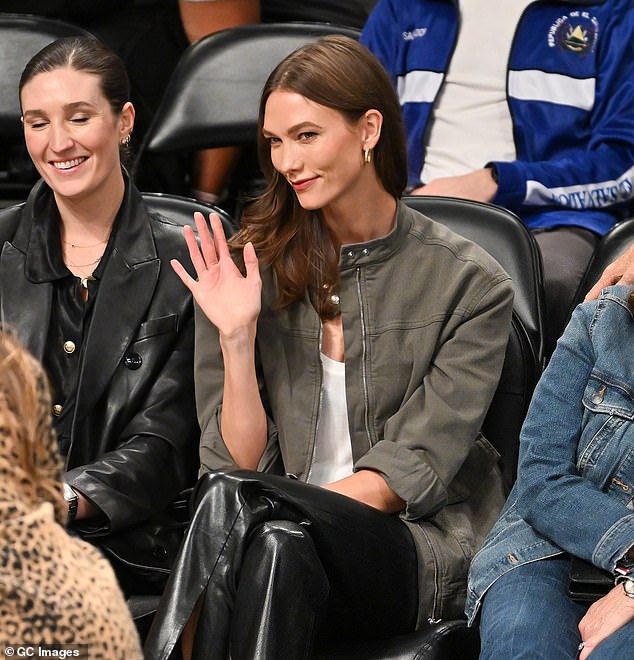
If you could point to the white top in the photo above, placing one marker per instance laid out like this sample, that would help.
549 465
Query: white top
332 458
471 124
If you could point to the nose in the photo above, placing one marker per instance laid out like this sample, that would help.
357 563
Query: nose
59 137
286 159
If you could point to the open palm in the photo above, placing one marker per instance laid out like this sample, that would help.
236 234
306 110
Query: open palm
230 300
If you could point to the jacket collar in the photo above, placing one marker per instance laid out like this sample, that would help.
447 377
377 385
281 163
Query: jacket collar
124 295
378 249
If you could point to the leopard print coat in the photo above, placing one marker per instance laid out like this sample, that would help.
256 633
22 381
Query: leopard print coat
54 589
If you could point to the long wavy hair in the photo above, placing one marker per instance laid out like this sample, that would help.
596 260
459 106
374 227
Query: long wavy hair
30 466
339 73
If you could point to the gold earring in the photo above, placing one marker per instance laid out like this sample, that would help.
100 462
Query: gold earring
126 140
367 156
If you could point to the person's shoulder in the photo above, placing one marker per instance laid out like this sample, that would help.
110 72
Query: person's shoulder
430 232
9 221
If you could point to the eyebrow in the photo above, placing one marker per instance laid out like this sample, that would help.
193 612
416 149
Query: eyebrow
293 129
76 105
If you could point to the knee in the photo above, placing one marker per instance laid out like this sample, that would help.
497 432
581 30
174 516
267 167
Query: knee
284 552
281 537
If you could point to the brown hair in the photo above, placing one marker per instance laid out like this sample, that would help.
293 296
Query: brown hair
25 430
88 55
339 73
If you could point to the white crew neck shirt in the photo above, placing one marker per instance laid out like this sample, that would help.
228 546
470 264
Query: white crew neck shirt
471 123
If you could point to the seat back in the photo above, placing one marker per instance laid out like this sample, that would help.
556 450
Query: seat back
213 95
611 246
181 209
508 241
21 37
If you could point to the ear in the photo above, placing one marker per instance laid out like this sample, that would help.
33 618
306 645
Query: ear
371 124
126 120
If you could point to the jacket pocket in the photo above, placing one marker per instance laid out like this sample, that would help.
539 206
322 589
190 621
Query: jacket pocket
158 326
607 423
482 458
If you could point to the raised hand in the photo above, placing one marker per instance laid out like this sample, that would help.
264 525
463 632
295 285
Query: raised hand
228 299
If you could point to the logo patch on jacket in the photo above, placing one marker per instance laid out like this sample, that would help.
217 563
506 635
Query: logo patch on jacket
575 33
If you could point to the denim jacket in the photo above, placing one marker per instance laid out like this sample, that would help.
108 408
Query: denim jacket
575 489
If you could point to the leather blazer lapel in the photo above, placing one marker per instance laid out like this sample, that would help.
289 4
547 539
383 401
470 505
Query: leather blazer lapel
121 304
25 307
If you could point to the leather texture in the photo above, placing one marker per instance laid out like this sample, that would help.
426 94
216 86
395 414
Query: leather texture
265 550
181 210
134 434
213 96
21 37
611 246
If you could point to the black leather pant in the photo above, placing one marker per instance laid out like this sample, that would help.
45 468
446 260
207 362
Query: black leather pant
280 565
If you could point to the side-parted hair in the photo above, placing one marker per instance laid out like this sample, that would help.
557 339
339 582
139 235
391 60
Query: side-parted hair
339 73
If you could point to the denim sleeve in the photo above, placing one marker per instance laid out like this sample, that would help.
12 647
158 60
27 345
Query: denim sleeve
568 509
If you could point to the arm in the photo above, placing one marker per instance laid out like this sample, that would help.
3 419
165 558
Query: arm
369 488
232 303
477 185
203 17
427 441
155 453
561 504
596 174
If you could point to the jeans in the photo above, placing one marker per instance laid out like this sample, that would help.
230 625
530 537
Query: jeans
527 614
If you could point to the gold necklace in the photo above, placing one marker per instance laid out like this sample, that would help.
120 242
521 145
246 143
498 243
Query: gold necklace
75 245
92 263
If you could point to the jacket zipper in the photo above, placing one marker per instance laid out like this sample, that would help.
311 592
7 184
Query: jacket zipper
311 459
364 369
435 614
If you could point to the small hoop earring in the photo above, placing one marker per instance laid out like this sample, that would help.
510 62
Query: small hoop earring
367 156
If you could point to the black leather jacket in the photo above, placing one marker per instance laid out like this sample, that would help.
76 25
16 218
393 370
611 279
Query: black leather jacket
134 435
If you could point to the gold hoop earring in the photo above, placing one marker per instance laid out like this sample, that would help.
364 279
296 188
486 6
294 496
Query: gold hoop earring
367 156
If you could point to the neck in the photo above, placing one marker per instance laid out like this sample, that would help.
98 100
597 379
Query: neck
88 220
370 219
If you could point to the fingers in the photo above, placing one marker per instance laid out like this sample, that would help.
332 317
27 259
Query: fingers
207 246
606 279
187 280
251 261
194 251
219 236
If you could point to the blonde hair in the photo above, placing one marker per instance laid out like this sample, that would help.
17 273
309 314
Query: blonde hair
28 446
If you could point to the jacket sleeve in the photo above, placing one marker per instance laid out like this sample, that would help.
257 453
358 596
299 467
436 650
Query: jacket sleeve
567 508
597 174
378 35
427 441
155 457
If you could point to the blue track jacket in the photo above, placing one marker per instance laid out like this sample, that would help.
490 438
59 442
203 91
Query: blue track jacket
570 90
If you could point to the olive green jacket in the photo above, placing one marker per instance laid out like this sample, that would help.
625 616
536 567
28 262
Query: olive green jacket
426 317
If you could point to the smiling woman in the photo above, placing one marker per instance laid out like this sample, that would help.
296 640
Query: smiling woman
83 286
344 365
